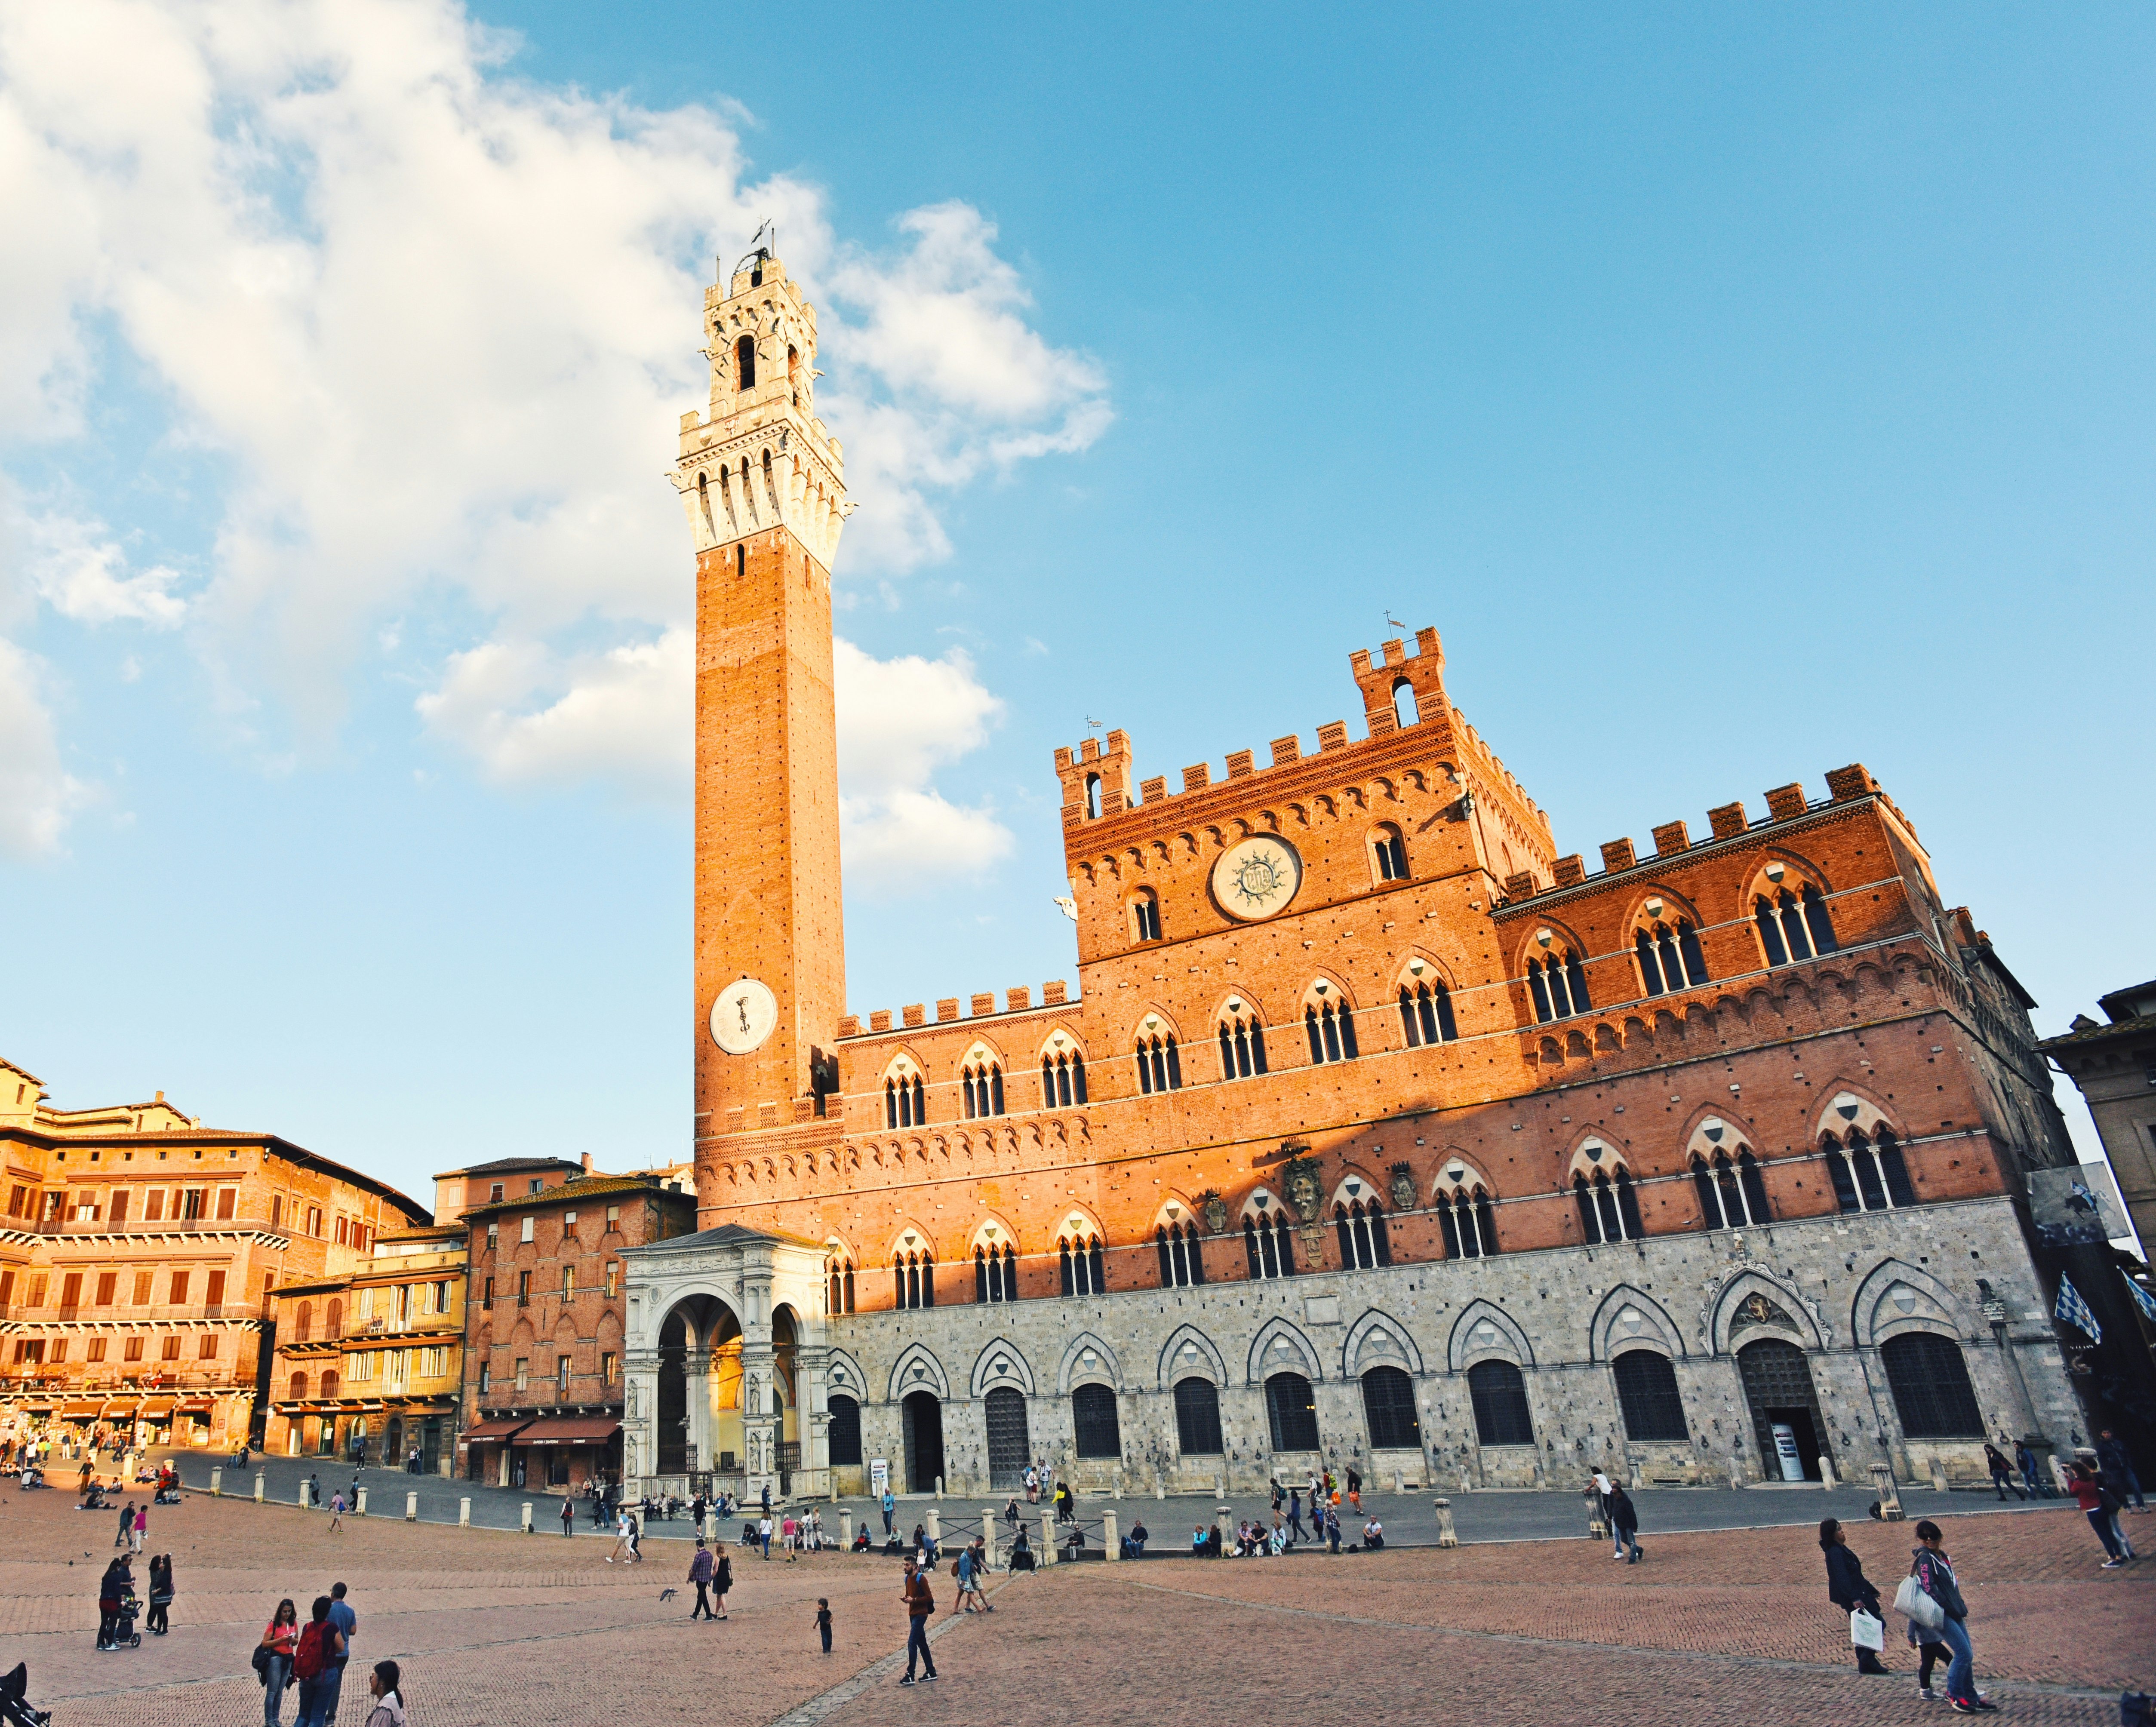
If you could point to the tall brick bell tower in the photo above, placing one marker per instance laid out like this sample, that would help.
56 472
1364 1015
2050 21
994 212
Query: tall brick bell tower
762 482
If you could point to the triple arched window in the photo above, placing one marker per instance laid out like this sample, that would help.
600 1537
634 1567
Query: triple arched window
1084 1270
1361 1229
1331 1024
1062 1079
1468 1221
982 1085
1269 1243
995 1273
1608 1209
1869 1173
1160 1064
905 1101
1670 958
1558 983
1242 1044
1732 1195
1793 926
916 1276
839 1286
1181 1265
1426 1014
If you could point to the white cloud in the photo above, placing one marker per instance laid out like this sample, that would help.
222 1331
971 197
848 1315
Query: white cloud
431 325
37 797
81 571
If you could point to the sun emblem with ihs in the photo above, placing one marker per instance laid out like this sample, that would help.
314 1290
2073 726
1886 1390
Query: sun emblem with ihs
1257 878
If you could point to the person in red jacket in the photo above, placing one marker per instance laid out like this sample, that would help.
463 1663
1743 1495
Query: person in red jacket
2089 1494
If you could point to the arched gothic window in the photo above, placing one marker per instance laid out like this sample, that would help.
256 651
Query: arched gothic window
1361 1226
1609 1209
1083 1264
982 1085
1331 1023
1930 1383
1468 1222
995 1274
1648 1397
1558 984
838 1285
1242 1045
1062 1079
1500 1396
1145 916
916 1276
1426 1014
1182 1264
1732 1195
745 363
1269 1243
1160 1064
1293 1413
1869 1173
1793 926
1198 1418
905 1101
1390 1409
1670 959
1388 854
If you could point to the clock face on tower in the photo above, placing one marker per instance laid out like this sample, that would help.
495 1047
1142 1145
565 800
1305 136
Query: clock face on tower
1257 879
745 1014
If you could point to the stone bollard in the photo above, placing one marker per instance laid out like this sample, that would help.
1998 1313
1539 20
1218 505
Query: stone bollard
1465 1485
1939 1476
527 1519
1119 1481
1160 1487
1047 1538
988 1536
411 1508
258 1488
1220 1489
1223 1516
359 1510
304 1501
1889 1500
1827 1477
1736 1472
935 1526
464 1513
939 1487
1110 1547
1598 1525
845 1529
1447 1535
1399 1481
217 1483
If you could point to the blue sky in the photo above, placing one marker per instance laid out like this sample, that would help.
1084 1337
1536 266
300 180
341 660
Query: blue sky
1739 394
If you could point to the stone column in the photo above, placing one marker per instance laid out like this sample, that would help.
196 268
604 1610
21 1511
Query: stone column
696 1373
1110 1547
639 1423
811 1367
761 1429
988 1533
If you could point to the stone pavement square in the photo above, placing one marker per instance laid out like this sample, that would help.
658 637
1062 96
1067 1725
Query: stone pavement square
497 1628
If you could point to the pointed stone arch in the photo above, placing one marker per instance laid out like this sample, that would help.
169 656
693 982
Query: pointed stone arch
1876 1313
1076 1370
1483 1332
1849 1108
1266 1356
1734 1319
930 1376
1628 1317
842 1376
1002 1364
1190 1353
1378 1339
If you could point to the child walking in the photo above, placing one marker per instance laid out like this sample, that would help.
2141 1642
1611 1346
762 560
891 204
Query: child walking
824 1621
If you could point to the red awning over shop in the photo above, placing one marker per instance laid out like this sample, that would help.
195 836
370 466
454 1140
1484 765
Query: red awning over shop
81 1412
497 1430
571 1429
154 1409
119 1407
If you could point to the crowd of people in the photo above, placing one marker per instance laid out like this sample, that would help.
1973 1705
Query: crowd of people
310 1658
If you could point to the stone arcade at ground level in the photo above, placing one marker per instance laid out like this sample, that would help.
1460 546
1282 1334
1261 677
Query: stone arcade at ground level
1668 1360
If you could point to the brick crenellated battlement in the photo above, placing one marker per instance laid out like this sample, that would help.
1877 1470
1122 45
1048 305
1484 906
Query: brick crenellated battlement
1017 999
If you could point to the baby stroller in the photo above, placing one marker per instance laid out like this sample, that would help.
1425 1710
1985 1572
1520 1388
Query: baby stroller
124 1634
15 1707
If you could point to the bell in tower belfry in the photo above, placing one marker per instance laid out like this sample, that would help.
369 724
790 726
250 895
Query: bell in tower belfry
763 481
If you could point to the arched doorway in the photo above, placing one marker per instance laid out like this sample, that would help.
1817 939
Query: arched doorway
700 1347
924 1442
1777 1386
1010 1441
674 1396
392 1444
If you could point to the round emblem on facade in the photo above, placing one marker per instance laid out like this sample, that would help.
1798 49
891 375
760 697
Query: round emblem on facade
1257 879
745 1014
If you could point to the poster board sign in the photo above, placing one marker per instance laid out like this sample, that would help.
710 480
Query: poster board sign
879 1477
2073 1207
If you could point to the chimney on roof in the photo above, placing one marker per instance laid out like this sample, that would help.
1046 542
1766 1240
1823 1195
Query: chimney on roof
587 1163
161 1097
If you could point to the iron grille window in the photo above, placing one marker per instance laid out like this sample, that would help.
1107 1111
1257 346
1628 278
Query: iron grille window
845 1433
1198 1418
1093 1415
1647 1393
1293 1410
1932 1391
1500 1396
1010 1443
1388 1406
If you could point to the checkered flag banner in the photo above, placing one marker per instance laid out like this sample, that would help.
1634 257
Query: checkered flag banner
2076 1311
2142 1300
